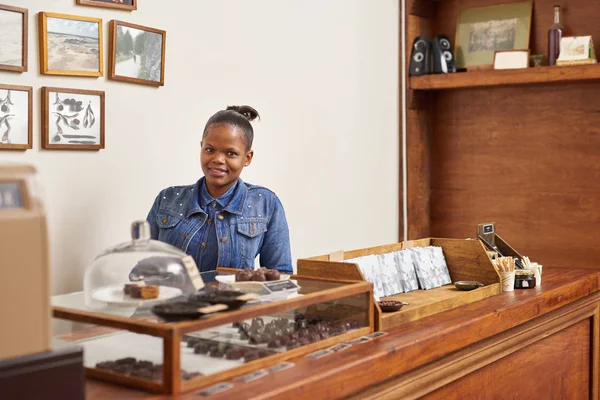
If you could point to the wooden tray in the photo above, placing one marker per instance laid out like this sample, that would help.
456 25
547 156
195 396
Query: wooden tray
467 260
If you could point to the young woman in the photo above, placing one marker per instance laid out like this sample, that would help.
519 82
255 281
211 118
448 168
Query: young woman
221 220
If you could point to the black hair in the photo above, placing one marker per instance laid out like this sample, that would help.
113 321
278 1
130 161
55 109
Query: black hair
238 116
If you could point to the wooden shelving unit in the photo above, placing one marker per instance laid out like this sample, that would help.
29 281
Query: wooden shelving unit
490 78
515 147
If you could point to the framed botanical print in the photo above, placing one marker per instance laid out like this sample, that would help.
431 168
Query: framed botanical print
15 117
13 38
129 5
137 54
72 119
70 45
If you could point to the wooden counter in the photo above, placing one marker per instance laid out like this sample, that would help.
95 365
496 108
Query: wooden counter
532 344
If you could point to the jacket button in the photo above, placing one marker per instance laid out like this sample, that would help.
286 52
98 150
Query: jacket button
224 239
221 217
209 221
164 220
203 245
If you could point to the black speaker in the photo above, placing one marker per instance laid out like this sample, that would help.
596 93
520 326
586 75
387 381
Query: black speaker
420 63
443 57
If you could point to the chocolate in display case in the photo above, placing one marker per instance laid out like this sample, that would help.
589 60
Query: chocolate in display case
216 333
413 279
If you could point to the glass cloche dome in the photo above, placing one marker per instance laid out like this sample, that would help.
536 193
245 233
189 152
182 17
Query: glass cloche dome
139 273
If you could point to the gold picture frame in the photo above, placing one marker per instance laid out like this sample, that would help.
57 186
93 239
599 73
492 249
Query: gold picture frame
85 38
482 31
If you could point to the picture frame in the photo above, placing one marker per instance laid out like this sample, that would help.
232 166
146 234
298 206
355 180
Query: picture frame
14 38
129 47
482 31
128 5
70 45
16 118
511 59
73 119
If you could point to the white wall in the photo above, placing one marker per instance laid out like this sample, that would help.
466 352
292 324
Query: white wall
322 73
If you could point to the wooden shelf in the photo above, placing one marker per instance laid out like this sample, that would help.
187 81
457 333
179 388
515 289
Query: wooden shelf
490 78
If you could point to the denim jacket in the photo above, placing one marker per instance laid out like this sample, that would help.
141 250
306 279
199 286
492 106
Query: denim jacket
252 223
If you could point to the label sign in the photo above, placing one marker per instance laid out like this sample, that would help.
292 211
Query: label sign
218 388
280 286
10 196
192 270
489 228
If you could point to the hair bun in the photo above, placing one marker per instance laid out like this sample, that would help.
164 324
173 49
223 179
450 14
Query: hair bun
250 113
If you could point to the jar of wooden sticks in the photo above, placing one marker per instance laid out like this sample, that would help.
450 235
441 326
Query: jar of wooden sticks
506 269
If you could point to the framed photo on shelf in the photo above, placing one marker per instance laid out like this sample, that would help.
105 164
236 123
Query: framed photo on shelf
72 119
482 31
137 54
70 45
129 5
13 38
16 117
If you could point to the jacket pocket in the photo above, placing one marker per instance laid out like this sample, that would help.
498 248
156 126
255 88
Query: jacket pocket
252 229
166 223
250 236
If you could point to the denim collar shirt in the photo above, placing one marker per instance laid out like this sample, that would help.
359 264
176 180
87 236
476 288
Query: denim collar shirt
229 231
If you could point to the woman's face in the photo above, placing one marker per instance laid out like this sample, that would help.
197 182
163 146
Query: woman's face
223 155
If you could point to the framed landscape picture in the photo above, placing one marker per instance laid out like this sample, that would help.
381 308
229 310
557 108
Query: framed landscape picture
118 4
13 38
70 45
15 117
72 119
137 54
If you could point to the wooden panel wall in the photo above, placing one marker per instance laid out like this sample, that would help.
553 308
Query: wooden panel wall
557 367
525 157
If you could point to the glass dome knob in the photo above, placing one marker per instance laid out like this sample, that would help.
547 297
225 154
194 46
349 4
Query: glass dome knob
140 231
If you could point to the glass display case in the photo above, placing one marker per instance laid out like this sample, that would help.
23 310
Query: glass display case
146 351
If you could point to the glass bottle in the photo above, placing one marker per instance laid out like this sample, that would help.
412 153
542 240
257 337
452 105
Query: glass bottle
554 35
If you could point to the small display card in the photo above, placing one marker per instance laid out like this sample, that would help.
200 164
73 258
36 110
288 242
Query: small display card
192 270
376 335
282 285
218 388
319 354
252 376
362 339
281 367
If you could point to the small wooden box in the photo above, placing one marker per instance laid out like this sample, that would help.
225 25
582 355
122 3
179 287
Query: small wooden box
467 260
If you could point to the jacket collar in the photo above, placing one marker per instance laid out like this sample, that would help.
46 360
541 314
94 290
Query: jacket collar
235 205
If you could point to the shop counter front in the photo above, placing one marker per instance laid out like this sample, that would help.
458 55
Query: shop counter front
535 343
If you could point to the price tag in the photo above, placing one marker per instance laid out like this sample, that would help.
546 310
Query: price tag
252 376
362 339
377 334
192 270
340 347
10 196
281 367
218 388
281 286
319 354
